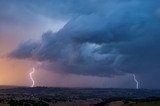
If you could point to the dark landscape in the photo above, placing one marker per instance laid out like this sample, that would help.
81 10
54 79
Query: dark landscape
50 96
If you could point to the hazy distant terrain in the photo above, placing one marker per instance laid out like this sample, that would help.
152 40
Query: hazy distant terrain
48 96
81 93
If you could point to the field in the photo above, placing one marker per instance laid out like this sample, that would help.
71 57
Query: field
152 103
48 96
114 103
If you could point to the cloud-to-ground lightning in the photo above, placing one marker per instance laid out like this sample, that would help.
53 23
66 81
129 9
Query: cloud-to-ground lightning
31 77
137 84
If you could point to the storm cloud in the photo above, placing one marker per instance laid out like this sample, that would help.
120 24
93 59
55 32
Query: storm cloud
101 38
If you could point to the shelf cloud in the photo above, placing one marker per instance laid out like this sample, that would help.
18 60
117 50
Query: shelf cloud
101 38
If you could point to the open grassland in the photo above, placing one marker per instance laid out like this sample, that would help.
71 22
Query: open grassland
121 103
152 103
4 104
114 103
70 104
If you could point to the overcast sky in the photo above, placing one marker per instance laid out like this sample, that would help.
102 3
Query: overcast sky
77 43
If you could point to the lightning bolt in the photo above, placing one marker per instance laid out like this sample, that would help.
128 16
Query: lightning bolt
137 83
31 77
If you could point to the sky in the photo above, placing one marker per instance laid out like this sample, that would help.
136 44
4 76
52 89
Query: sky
76 43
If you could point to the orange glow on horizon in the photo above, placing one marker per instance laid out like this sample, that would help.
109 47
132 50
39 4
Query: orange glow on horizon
13 72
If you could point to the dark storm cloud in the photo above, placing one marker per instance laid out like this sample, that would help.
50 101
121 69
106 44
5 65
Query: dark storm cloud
24 50
102 38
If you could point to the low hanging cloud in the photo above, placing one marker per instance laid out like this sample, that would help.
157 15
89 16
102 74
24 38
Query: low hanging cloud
109 37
